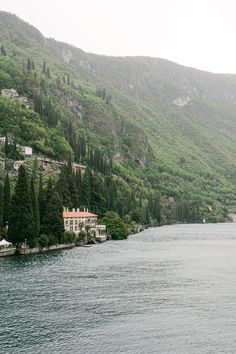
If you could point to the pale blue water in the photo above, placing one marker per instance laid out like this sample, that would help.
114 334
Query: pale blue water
166 290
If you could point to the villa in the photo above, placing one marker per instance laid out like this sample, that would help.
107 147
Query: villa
76 221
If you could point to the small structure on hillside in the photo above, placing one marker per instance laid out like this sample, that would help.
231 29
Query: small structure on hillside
27 151
17 164
46 162
13 94
77 167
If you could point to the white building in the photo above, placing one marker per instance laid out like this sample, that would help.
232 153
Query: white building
76 221
17 164
26 150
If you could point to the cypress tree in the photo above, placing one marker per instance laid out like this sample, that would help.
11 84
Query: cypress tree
82 147
35 206
87 187
1 207
44 67
111 194
48 73
41 199
6 200
53 220
29 65
3 50
73 191
79 188
63 188
21 216
6 148
98 201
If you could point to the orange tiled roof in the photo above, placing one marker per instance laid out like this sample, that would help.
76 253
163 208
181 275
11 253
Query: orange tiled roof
77 214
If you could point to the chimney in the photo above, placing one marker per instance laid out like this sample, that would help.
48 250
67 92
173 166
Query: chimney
78 209
73 209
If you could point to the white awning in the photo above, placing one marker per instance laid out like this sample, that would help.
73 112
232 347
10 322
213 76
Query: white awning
5 243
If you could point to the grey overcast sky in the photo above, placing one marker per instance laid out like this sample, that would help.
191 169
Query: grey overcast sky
196 33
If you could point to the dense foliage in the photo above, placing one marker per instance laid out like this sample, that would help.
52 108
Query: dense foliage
115 225
148 160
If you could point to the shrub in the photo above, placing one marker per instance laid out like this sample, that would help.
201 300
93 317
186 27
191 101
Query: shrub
33 243
52 240
82 235
69 237
115 225
43 240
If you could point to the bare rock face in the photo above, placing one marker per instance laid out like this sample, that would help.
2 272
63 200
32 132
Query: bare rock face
181 101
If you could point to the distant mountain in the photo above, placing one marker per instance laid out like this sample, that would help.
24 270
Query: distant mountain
169 128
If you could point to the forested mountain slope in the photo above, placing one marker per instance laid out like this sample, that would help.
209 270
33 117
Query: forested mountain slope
170 130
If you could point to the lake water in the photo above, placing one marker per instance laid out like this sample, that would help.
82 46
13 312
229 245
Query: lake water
166 290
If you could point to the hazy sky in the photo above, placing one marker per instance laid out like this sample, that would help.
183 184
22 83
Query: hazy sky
197 33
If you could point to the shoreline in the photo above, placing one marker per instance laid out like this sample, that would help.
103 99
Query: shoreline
24 251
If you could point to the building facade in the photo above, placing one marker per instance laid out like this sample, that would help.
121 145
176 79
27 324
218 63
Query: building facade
77 221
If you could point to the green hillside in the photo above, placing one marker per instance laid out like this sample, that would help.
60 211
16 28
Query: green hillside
170 130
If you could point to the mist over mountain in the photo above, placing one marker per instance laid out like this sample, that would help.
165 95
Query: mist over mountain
169 129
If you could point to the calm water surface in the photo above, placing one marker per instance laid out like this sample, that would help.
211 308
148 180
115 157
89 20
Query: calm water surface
167 290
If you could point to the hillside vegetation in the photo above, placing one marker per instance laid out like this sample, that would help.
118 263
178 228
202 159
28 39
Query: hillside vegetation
166 132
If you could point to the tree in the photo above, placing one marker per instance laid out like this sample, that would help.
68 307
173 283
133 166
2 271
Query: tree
35 206
79 188
82 147
98 201
87 188
115 225
21 216
3 50
11 151
44 67
63 188
6 147
73 191
111 193
49 192
29 65
41 199
53 220
48 73
6 200
1 207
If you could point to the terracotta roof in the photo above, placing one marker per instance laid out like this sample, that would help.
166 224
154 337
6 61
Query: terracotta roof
77 214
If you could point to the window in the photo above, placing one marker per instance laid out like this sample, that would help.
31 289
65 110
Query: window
71 222
71 228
